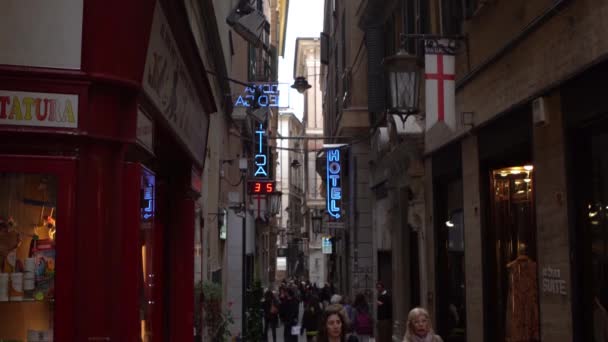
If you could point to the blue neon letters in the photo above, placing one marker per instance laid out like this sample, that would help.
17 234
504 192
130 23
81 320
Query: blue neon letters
334 189
268 96
260 159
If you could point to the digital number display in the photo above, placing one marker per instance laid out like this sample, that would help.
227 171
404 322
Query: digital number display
261 187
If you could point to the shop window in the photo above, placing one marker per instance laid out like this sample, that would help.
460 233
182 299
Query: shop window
452 16
28 224
451 303
512 284
591 188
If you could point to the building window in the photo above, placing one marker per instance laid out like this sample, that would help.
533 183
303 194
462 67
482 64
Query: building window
451 17
260 60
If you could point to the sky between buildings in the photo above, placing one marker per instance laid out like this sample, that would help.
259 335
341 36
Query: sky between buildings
305 19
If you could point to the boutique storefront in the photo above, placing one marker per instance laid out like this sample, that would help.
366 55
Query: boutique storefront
103 132
586 121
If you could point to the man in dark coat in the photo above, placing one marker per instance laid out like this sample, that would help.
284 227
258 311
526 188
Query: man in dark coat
385 314
288 312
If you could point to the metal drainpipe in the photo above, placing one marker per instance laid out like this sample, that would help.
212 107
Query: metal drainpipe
534 25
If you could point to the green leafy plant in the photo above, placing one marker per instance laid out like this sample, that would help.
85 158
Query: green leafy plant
255 313
215 320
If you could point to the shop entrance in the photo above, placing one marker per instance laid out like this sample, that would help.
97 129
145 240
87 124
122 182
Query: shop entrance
511 271
590 184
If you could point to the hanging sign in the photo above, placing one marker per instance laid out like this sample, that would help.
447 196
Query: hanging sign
267 96
148 182
260 159
263 187
440 85
334 183
326 245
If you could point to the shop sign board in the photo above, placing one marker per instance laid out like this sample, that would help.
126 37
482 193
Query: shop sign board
333 181
18 108
148 190
168 85
552 281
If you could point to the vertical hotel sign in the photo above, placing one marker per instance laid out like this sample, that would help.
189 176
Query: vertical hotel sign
167 84
334 183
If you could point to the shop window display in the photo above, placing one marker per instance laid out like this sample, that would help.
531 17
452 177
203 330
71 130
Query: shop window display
592 186
28 230
512 231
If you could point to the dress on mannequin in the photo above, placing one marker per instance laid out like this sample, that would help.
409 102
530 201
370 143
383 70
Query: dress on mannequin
522 301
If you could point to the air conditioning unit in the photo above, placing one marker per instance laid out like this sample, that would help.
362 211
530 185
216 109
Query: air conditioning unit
249 23
540 116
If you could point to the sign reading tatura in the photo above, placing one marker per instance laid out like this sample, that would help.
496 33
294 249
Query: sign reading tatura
19 108
267 96
334 184
261 154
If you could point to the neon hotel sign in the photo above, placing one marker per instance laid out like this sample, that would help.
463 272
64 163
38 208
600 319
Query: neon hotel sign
334 183
260 159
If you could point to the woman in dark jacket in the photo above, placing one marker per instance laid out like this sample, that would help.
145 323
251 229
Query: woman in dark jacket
311 318
271 314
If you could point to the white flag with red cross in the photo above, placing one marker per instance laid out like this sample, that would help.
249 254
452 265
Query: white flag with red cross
440 86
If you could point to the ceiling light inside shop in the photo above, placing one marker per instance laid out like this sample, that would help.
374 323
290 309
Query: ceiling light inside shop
592 213
528 167
527 180
449 224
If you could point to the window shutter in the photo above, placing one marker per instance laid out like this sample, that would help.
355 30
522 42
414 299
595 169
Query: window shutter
324 48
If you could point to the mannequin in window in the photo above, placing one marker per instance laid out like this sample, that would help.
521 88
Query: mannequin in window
522 300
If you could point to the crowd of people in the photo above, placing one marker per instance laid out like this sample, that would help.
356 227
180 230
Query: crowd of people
331 317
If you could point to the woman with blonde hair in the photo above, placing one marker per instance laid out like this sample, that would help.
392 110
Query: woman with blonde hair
419 327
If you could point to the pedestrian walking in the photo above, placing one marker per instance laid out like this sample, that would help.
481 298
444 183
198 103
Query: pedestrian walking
362 323
419 327
384 314
288 313
333 323
271 314
311 319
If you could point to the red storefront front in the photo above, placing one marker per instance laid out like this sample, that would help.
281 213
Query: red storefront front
103 129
